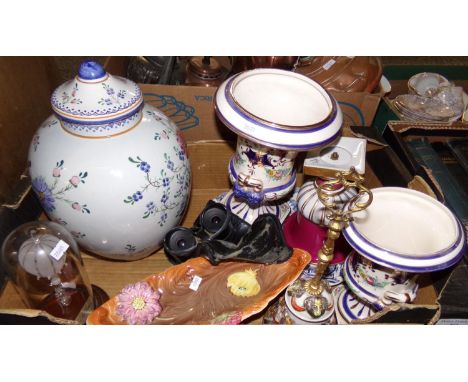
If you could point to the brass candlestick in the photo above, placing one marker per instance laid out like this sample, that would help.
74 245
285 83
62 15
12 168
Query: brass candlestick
339 218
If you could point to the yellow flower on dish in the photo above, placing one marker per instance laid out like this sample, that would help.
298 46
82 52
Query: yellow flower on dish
244 284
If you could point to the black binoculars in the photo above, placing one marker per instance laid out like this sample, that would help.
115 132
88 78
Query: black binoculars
215 222
218 234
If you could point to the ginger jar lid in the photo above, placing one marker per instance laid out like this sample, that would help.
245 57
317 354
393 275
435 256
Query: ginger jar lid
97 104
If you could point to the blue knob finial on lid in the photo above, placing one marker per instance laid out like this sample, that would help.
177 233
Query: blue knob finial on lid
91 70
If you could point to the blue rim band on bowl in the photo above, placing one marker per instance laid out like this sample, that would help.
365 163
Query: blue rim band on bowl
412 269
443 252
274 144
244 114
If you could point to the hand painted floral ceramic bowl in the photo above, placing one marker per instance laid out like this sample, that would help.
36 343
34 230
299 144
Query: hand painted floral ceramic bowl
407 230
376 284
196 292
111 169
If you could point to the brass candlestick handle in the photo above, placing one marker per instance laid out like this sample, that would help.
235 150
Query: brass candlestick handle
339 218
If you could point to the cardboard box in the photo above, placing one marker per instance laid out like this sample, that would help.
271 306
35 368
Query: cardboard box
25 87
451 284
399 75
191 107
210 146
209 160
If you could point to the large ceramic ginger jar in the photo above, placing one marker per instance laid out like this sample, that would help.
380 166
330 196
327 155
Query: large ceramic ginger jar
111 169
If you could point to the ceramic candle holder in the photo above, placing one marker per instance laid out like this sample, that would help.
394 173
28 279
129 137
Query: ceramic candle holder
276 113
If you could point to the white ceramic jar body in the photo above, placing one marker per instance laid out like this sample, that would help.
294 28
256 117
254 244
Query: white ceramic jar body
117 195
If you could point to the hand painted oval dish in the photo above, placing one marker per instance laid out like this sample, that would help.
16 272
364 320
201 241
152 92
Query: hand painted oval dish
407 230
228 293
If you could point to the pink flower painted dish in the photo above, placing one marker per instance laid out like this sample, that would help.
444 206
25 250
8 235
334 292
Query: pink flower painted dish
196 292
138 303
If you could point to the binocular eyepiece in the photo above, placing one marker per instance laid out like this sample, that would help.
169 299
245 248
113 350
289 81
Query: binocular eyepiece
215 222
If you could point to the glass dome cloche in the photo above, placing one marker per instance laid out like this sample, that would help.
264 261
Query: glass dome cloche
110 168
44 264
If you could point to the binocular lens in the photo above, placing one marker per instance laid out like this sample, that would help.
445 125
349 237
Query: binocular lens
213 219
181 239
180 244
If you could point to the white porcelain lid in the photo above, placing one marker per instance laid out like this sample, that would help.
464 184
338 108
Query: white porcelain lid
279 109
96 97
407 230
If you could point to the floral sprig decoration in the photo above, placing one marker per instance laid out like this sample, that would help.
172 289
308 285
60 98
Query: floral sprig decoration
138 304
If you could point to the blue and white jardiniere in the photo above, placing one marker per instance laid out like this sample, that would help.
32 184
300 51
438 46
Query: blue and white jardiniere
276 113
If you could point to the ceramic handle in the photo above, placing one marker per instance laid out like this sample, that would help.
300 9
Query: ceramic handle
400 293
249 189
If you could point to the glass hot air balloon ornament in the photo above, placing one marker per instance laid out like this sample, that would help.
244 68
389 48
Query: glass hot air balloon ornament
276 113
43 262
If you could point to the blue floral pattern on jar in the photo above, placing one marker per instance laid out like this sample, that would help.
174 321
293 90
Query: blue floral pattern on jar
173 177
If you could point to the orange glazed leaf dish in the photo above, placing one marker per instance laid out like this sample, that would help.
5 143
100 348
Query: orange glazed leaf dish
196 292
